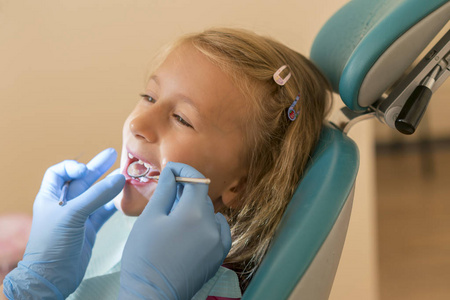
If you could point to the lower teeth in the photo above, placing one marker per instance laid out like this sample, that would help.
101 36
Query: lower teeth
141 179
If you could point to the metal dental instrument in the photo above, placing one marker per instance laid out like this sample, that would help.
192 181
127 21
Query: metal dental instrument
62 198
137 170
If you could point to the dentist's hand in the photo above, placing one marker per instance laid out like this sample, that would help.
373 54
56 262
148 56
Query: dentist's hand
62 237
170 254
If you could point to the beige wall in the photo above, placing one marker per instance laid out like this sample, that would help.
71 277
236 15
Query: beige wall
71 72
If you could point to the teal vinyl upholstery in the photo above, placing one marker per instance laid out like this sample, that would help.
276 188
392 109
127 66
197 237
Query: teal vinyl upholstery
309 217
351 42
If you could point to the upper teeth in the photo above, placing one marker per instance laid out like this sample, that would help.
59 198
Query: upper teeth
147 165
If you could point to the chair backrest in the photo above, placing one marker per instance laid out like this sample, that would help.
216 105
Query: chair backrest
310 216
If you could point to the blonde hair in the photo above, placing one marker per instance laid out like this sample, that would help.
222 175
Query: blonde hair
278 149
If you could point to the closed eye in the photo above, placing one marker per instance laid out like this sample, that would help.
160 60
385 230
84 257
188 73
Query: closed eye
148 98
182 121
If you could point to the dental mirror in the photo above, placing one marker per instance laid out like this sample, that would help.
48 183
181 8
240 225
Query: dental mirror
137 170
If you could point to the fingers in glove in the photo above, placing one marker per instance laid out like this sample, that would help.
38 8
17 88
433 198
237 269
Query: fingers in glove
57 175
164 196
99 165
225 233
183 170
101 215
115 172
96 196
95 169
194 194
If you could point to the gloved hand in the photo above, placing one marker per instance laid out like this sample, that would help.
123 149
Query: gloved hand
171 253
62 237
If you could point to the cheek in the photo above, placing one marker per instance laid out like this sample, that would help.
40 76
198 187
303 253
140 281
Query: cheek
195 154
183 151
223 169
126 126
216 158
126 134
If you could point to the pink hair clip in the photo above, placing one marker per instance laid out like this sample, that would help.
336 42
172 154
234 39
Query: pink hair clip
291 113
277 77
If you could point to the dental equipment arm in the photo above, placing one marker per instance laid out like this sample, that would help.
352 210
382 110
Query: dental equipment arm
172 251
61 239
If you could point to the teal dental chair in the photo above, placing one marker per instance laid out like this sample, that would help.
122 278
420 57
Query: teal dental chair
365 49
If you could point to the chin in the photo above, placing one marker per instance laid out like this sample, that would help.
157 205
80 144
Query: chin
130 201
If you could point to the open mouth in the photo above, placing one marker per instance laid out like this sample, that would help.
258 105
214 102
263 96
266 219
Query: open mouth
138 170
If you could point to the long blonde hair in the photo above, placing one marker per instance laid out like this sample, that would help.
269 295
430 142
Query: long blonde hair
278 148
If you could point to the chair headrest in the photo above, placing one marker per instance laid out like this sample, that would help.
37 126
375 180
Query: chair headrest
367 45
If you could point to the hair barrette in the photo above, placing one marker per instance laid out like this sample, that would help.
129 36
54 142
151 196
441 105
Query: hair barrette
277 76
291 113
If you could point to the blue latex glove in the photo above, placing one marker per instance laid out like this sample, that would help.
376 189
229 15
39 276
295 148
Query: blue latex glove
62 237
170 254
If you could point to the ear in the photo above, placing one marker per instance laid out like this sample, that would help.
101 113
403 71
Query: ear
229 195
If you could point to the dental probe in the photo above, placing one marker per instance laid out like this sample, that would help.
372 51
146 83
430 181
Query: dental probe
185 179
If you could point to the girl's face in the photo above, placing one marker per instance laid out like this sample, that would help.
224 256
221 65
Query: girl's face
192 114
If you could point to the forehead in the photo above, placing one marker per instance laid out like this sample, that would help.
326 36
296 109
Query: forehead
188 72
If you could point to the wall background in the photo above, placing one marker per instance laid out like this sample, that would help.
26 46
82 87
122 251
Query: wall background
71 71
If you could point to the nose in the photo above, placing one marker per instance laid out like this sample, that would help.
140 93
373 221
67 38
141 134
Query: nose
144 126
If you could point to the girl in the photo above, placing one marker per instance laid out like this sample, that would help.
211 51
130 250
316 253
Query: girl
245 111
